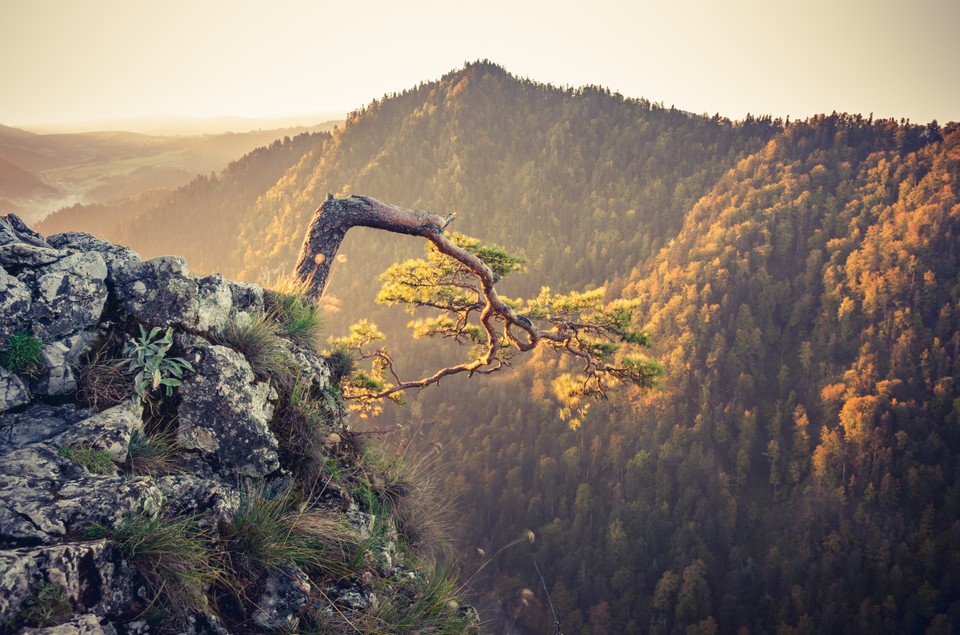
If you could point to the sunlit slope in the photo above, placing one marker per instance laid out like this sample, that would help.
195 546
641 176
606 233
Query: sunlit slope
797 470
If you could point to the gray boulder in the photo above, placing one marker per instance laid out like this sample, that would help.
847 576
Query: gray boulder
285 594
113 255
90 575
38 422
109 431
188 494
313 369
21 246
60 357
87 624
70 295
15 300
157 292
225 413
12 391
214 303
44 497
247 297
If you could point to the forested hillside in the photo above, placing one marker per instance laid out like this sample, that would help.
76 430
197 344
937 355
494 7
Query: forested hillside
797 470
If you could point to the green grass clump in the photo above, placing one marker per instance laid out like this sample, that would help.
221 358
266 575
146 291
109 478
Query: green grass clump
270 531
342 363
302 429
299 316
152 454
21 354
257 339
174 556
49 606
95 461
410 493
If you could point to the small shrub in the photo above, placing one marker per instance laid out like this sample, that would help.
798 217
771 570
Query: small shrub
174 557
152 454
48 607
270 531
21 354
257 339
148 359
95 461
299 316
101 381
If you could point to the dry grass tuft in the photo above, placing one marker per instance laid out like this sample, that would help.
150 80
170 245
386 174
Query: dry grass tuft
101 380
257 339
299 316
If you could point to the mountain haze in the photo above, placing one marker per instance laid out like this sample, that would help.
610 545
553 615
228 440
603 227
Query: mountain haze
58 169
798 471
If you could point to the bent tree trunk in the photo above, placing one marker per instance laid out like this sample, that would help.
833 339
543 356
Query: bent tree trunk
335 216
502 327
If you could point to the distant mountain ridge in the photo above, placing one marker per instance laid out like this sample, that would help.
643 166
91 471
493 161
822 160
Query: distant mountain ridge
96 167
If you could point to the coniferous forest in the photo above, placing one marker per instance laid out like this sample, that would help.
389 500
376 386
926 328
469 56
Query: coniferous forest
797 469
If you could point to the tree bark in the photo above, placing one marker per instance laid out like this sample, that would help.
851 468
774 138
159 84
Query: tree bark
335 216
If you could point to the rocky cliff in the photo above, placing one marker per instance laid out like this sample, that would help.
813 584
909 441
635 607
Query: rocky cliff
174 458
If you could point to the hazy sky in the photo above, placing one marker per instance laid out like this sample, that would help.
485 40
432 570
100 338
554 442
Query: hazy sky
73 60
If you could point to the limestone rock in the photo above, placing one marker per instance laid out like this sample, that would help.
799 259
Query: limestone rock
12 391
87 624
39 422
247 297
70 295
21 246
361 523
90 575
187 494
225 413
157 292
59 357
109 430
354 597
214 303
313 369
113 255
15 300
285 594
43 497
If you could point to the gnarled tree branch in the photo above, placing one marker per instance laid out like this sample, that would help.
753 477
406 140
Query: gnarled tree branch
336 215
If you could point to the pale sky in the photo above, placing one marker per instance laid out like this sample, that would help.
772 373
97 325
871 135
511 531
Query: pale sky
82 60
